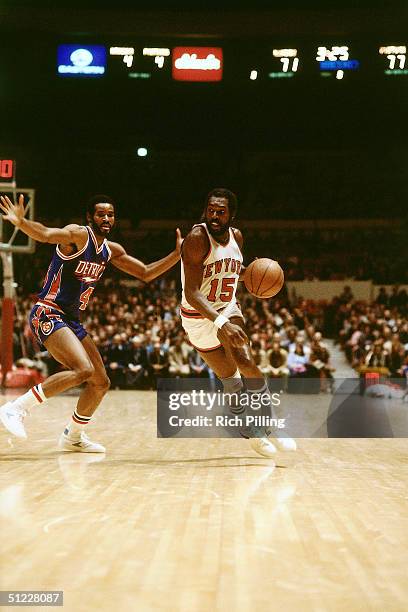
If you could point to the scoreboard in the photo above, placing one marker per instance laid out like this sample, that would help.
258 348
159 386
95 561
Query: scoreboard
394 59
7 171
340 60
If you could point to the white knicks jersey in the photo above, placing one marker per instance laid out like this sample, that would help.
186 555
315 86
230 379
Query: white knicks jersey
221 269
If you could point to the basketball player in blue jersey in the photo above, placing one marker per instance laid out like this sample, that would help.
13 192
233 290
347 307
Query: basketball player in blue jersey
210 270
79 260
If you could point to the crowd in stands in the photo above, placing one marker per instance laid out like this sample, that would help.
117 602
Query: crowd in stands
138 332
139 335
375 335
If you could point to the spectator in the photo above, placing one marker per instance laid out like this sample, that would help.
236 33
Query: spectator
117 359
397 355
377 357
319 359
137 373
277 359
382 297
158 362
198 367
298 360
179 357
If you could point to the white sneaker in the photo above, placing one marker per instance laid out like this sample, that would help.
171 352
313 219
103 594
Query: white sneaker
80 445
286 444
13 419
263 447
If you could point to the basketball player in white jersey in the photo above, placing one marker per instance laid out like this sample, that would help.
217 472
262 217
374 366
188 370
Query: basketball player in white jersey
210 271
211 268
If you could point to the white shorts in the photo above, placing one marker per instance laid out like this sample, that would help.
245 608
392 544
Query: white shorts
202 332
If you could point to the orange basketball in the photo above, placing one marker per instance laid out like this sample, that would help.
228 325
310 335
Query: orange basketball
264 278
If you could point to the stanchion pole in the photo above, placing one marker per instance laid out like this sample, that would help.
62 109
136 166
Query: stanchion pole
7 319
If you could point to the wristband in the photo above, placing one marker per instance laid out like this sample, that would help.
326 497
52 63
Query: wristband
220 321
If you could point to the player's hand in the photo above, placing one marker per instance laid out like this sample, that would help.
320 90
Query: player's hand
179 241
12 212
233 334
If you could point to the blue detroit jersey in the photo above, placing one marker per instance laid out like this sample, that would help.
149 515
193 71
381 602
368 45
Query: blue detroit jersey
71 279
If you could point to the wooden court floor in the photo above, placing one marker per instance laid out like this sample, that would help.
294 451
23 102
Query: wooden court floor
201 525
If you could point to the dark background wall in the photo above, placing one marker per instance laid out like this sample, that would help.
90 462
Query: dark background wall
308 148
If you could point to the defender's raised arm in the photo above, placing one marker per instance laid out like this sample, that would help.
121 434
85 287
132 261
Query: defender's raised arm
145 272
15 214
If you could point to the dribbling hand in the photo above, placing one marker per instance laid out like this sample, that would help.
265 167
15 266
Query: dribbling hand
12 212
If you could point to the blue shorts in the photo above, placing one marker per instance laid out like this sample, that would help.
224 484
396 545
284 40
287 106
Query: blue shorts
45 320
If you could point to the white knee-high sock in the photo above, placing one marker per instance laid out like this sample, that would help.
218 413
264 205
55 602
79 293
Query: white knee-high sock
33 397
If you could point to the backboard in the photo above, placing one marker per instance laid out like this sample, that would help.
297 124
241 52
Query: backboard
11 239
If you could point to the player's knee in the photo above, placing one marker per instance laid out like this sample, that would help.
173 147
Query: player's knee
84 373
106 384
102 384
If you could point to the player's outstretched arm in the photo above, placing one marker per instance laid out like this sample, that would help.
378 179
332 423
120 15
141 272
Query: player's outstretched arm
145 272
14 213
195 248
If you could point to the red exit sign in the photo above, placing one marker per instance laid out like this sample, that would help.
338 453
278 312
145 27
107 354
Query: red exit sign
197 64
7 169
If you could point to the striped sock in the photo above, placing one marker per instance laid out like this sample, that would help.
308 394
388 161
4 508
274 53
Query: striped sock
262 389
232 389
32 398
38 393
266 405
76 425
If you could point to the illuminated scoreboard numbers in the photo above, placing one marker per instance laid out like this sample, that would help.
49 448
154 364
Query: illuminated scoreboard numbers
285 63
332 54
395 57
126 53
160 54
7 171
140 63
335 60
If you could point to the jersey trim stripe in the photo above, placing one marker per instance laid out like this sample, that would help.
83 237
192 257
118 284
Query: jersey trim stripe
195 314
68 257
190 314
97 248
207 350
209 242
49 305
235 239
189 310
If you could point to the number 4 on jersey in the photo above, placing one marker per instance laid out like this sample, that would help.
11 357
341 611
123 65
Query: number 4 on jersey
84 298
227 289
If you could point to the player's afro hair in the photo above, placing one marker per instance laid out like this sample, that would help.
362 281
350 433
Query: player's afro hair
220 192
99 198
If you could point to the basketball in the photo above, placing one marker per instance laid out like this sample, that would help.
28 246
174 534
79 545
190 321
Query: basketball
264 278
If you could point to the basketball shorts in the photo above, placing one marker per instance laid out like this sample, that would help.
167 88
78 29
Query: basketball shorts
45 320
202 332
